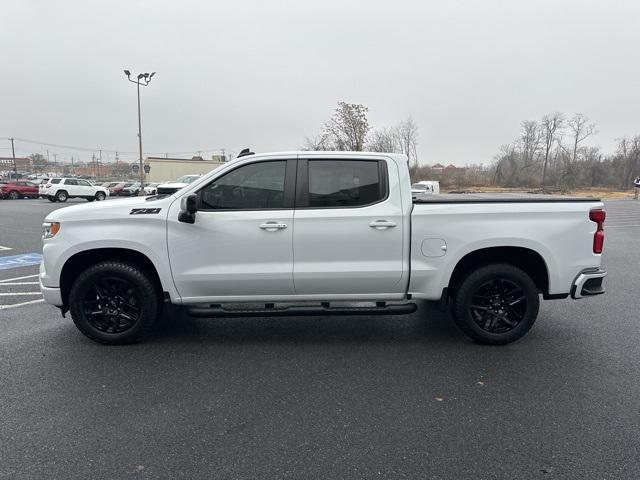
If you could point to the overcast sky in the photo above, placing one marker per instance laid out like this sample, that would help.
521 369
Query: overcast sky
265 74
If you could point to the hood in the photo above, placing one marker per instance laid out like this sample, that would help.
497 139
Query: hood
107 208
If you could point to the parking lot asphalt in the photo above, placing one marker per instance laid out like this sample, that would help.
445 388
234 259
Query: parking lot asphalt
313 397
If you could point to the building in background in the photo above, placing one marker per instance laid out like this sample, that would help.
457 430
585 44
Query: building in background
167 169
23 164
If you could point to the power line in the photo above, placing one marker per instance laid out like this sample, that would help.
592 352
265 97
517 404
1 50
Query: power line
87 149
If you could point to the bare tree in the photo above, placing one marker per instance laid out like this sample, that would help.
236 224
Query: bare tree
407 138
530 137
383 140
348 127
320 141
581 128
551 125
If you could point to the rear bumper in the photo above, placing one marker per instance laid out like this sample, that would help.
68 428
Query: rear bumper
588 283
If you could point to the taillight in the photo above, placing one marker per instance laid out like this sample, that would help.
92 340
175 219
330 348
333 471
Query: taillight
598 216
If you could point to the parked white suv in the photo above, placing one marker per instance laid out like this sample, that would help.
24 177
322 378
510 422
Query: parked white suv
61 189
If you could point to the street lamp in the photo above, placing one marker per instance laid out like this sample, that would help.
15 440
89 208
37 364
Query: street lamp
142 79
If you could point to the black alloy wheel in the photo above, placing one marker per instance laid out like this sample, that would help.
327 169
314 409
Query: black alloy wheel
114 302
112 305
495 304
498 305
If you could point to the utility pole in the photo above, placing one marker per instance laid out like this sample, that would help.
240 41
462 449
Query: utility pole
55 164
142 79
13 153
47 158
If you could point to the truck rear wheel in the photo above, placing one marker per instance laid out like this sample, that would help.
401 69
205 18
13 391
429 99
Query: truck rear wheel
114 303
496 304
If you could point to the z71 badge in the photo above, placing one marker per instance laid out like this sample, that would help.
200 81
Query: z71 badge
144 211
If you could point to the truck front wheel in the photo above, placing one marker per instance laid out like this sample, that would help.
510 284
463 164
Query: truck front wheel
496 304
114 303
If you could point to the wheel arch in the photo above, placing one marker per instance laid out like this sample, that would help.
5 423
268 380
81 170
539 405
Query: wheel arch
81 260
528 260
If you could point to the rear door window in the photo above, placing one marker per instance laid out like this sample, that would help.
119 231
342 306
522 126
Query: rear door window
345 183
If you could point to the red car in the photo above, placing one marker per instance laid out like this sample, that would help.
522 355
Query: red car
117 188
18 189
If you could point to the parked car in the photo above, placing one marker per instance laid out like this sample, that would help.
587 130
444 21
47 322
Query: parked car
42 187
229 238
425 187
151 188
117 188
132 190
61 189
173 187
18 189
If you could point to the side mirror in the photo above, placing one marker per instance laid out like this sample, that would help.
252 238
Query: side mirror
189 209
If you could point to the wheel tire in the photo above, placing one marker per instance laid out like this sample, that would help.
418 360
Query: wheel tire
51 199
62 196
144 294
520 308
100 196
90 199
13 195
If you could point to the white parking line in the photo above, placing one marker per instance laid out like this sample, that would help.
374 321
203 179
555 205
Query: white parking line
18 278
14 294
4 248
30 302
2 284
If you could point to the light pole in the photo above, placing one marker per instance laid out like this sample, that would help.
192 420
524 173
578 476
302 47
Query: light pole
142 79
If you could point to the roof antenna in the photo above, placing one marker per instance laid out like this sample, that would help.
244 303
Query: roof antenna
245 152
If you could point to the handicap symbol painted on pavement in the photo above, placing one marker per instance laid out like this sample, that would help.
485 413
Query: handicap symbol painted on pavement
16 261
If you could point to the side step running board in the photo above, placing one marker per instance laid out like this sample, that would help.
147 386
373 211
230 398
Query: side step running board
271 310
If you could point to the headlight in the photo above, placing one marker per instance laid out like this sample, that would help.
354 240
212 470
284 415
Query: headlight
49 229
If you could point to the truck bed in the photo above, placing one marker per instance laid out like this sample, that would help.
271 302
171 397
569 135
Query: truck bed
500 198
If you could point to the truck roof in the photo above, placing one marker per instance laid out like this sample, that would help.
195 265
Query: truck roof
320 153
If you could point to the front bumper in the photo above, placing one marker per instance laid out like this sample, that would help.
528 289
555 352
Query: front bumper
51 295
588 283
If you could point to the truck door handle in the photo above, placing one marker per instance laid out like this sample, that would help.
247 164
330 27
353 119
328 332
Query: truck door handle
273 226
382 224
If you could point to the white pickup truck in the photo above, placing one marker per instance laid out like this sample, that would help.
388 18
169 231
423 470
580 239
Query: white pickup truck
319 233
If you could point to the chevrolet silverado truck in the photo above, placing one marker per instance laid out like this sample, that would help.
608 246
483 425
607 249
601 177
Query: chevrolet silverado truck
319 233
